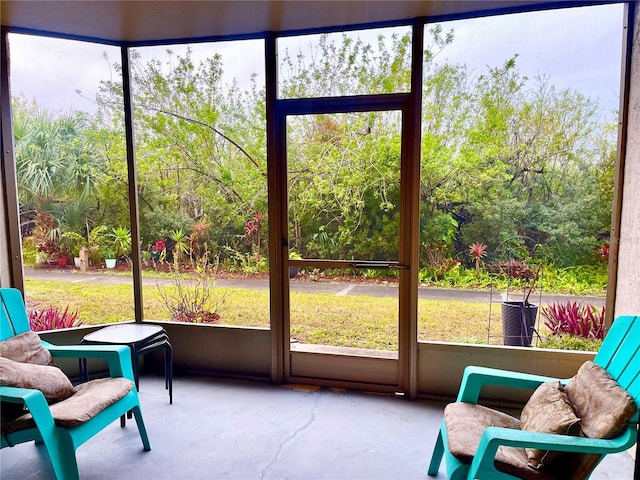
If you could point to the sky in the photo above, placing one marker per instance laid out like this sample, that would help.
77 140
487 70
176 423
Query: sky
577 48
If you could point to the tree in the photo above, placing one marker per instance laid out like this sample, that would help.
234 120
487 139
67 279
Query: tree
200 146
58 169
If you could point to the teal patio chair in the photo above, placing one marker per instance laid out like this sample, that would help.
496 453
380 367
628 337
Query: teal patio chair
64 425
479 445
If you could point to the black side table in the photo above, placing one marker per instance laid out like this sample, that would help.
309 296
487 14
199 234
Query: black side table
141 339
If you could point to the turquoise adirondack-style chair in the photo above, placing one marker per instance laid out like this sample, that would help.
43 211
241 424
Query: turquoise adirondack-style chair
619 355
61 441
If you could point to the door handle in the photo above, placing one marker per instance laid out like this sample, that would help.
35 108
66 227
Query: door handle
389 265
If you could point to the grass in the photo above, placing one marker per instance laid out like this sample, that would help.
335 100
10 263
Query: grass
354 321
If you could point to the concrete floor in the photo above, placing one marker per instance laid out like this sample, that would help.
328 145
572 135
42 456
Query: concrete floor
227 429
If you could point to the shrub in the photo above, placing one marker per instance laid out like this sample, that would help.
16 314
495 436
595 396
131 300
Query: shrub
192 298
50 318
575 319
514 269
568 342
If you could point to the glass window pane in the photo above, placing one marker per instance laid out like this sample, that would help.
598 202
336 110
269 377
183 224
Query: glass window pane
518 154
345 63
72 183
346 316
201 158
344 185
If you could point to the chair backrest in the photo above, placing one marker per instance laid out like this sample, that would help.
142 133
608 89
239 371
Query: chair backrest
13 314
620 354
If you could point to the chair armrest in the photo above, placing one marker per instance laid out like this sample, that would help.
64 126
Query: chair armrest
474 378
493 437
20 395
118 357
35 401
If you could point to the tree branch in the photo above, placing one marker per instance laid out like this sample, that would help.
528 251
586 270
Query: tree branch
206 125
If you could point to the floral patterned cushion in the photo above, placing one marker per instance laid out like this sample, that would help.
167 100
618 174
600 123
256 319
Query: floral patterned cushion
465 423
91 398
26 348
604 409
548 411
51 381
602 405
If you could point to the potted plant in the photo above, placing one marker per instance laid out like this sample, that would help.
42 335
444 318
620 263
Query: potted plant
75 242
109 254
121 241
518 316
93 242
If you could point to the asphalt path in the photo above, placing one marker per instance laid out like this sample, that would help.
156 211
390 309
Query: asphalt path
338 289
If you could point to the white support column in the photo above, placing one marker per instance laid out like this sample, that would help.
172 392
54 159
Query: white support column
627 282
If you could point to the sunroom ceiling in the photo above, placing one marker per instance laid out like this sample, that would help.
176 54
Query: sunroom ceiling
148 21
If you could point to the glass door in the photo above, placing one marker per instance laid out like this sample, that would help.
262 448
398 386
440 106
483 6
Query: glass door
343 238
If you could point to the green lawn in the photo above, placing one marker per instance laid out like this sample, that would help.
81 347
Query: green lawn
356 321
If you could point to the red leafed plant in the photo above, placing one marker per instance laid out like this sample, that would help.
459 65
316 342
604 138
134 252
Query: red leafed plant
576 319
477 251
603 251
50 318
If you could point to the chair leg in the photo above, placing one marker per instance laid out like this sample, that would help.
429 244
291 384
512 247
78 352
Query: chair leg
136 369
62 455
141 428
436 456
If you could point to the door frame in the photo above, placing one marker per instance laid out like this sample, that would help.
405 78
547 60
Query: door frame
411 106
380 373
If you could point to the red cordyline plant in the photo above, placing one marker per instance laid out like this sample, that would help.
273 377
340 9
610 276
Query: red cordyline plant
50 318
575 319
253 226
477 251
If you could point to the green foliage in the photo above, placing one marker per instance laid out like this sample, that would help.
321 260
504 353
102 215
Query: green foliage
573 281
249 262
121 240
508 162
181 246
160 223
29 252
580 280
570 342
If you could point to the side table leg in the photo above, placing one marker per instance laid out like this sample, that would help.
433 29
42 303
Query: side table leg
168 370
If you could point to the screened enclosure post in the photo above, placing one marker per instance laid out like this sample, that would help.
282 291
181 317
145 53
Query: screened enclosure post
133 185
11 273
276 216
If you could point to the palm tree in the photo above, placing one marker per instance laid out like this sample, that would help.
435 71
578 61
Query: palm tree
54 161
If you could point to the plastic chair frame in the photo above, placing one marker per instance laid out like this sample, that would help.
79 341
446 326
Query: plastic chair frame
62 442
619 355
